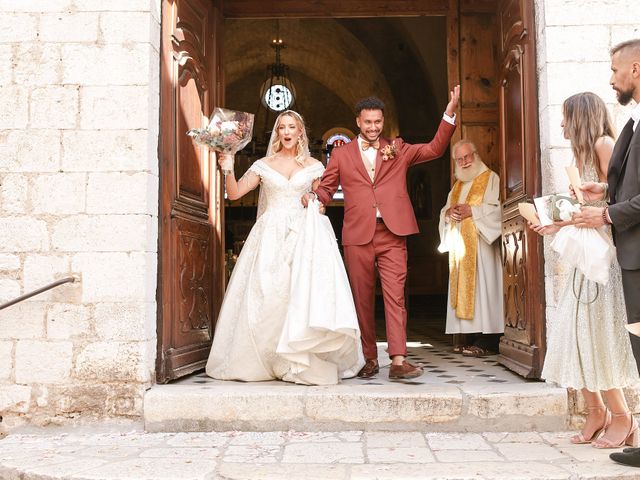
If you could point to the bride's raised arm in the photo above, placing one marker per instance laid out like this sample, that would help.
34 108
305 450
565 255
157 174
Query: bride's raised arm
238 188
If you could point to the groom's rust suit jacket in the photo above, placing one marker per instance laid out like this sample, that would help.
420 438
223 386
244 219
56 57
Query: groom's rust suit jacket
387 192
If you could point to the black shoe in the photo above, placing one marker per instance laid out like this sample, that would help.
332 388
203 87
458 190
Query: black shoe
630 459
631 449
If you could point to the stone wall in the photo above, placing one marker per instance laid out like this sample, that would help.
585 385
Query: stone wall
573 42
79 109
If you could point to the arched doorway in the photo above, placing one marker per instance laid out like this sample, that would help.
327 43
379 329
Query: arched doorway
481 52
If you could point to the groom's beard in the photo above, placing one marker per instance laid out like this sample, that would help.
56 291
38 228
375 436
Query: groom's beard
468 174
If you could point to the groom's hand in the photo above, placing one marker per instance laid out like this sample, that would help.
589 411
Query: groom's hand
452 106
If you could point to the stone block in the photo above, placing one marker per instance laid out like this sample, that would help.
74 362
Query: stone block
125 322
106 233
122 193
112 361
106 64
68 27
37 63
15 398
591 12
6 360
13 193
80 398
112 5
126 400
536 407
105 150
35 6
421 406
30 151
66 320
155 34
9 289
114 108
591 76
18 27
40 270
23 320
43 362
59 194
394 439
117 277
125 27
14 106
9 262
623 33
23 234
577 43
6 66
54 107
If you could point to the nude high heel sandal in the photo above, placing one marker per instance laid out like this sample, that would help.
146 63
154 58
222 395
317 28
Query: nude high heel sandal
579 438
631 438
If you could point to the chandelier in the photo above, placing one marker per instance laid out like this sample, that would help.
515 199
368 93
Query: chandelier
277 92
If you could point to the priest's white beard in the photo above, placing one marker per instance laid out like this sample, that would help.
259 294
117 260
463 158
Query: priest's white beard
468 174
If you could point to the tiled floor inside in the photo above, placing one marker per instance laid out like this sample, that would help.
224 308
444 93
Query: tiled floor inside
428 347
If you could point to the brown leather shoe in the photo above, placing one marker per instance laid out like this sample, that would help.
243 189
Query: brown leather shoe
370 369
406 370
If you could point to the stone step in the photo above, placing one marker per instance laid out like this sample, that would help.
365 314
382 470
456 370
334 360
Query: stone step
212 405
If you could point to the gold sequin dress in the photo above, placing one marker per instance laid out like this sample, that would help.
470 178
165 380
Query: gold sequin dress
587 344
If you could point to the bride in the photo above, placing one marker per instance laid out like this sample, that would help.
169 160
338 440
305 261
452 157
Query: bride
288 312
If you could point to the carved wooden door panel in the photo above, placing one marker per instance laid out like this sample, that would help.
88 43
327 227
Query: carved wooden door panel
190 261
523 345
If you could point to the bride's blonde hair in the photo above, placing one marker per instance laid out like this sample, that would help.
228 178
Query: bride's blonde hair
302 147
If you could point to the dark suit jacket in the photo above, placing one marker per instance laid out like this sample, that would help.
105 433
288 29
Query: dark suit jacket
387 192
625 212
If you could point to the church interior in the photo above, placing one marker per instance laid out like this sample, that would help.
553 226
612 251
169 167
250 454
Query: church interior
325 67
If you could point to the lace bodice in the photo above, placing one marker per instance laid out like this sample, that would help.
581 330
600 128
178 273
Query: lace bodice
281 194
590 174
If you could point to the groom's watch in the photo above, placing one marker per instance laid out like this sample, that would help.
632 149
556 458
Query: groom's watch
605 216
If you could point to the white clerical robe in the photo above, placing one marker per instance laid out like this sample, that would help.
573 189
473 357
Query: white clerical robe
487 217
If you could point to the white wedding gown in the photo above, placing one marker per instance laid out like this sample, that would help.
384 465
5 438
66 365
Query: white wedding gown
288 312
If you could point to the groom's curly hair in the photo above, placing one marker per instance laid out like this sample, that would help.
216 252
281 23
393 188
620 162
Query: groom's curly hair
369 103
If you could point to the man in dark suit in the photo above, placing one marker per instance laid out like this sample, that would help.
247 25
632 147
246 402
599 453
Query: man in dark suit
623 194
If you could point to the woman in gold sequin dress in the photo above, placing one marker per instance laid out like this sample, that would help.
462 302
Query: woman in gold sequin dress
588 348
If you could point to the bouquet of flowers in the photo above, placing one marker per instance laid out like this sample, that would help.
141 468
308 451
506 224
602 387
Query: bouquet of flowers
227 133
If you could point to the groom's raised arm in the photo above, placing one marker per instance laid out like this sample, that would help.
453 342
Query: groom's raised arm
330 180
424 152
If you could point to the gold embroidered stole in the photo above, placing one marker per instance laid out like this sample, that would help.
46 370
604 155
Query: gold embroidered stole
463 255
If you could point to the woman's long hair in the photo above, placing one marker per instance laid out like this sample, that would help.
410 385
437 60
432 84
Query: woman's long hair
302 147
586 119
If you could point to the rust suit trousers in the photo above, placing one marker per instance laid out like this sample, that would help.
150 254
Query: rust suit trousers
388 252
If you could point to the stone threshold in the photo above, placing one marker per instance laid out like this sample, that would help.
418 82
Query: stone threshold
428 407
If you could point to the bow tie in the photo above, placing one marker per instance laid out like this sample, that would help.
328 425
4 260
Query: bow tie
365 145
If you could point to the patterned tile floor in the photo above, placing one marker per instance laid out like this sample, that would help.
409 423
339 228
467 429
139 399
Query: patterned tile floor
428 347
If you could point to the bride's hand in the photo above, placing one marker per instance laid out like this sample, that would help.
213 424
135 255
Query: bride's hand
322 209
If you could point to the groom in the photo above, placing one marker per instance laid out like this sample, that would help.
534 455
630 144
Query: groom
378 216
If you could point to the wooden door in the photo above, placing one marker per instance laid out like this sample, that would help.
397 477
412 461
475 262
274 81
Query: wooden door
190 269
522 347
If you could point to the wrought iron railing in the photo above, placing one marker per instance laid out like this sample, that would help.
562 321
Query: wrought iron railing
55 284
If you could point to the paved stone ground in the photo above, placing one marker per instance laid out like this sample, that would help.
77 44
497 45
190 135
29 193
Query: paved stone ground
303 455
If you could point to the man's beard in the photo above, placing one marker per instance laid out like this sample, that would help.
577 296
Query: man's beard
624 97
468 174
